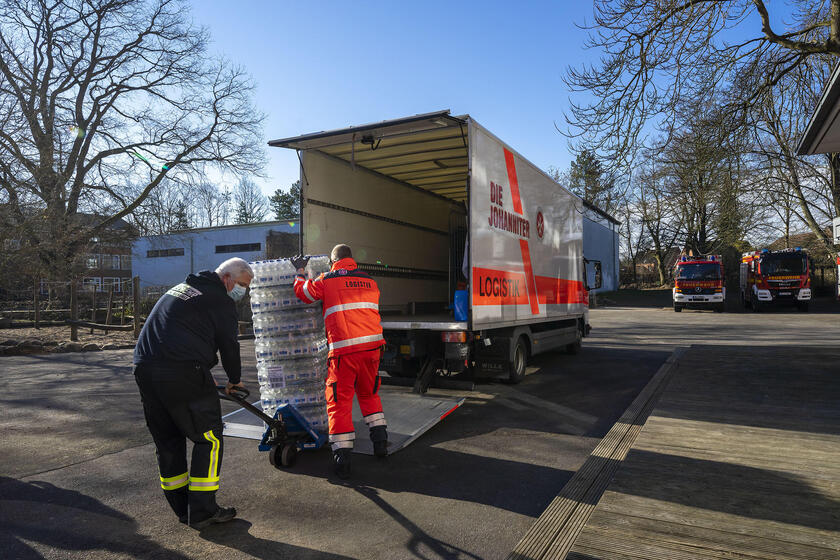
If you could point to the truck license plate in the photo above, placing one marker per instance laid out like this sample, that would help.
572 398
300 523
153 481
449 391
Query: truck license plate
784 293
695 298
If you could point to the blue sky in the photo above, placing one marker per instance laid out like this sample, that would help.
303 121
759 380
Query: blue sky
325 65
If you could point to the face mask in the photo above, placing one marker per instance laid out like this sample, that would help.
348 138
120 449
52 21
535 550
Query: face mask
237 292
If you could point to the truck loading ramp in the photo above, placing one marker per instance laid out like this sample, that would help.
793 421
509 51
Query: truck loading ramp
409 416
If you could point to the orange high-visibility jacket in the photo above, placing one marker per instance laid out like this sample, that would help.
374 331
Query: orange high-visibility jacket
351 307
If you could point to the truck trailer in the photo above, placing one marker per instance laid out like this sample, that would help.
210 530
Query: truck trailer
478 253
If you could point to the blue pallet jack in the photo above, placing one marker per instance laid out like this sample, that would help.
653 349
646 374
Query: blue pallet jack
286 433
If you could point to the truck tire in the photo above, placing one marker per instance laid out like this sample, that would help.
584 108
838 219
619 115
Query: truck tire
719 308
678 308
802 306
574 347
519 359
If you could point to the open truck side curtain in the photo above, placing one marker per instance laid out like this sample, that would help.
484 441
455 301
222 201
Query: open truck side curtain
438 209
775 277
699 282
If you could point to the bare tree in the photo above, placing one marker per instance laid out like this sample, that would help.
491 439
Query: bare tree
250 204
660 55
211 204
100 100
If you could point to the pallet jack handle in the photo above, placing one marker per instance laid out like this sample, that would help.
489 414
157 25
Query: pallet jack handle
239 395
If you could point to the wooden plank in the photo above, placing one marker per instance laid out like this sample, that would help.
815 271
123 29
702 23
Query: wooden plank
566 514
735 462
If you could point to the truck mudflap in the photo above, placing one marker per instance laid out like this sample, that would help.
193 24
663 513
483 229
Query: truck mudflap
408 414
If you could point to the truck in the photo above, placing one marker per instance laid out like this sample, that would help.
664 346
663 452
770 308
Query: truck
477 252
699 282
775 277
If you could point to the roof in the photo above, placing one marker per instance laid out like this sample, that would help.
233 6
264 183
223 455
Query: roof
290 223
428 151
823 132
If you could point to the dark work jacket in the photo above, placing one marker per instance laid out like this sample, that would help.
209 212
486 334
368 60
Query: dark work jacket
190 323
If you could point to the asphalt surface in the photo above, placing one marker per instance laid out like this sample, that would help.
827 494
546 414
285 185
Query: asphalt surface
78 477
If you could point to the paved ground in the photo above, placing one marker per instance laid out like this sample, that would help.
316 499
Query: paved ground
78 477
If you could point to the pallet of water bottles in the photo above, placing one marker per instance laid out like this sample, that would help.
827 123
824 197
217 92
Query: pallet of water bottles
290 344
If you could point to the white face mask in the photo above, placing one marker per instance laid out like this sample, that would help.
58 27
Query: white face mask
237 292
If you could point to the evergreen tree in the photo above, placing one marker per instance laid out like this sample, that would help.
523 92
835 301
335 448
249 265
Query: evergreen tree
286 205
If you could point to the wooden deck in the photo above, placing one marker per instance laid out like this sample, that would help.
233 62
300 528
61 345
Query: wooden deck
739 459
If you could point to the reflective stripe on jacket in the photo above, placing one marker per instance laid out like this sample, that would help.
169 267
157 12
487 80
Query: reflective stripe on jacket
351 307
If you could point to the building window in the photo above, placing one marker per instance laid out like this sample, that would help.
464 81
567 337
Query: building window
125 262
11 244
111 262
177 252
92 283
239 248
91 261
109 281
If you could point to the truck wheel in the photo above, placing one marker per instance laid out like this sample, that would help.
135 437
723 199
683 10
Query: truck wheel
719 308
574 347
678 308
802 306
519 361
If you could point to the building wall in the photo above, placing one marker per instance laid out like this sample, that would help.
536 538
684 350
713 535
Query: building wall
192 251
601 243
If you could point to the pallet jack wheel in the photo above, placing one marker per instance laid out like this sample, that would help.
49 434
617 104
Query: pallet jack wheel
283 455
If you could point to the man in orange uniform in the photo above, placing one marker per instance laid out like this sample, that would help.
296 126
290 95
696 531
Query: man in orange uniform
354 333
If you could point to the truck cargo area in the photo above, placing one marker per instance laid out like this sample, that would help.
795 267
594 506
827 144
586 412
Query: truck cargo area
409 416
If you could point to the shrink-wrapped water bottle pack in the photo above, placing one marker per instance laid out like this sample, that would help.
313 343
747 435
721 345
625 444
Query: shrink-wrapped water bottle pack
290 344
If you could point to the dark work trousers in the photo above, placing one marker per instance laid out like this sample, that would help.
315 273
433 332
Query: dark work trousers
181 402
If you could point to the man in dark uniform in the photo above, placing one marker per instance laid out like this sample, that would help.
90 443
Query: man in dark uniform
174 354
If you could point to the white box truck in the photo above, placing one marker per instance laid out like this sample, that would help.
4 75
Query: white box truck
439 211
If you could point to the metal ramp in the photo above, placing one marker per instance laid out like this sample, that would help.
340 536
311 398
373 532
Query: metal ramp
409 416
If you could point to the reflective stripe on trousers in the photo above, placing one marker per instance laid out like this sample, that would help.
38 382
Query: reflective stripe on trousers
211 481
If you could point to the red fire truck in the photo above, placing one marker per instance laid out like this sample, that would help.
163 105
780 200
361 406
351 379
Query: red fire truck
770 277
699 282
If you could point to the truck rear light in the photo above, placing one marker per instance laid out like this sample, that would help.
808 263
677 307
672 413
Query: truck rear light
456 336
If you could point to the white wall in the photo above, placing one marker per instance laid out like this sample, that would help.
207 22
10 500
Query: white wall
601 243
199 251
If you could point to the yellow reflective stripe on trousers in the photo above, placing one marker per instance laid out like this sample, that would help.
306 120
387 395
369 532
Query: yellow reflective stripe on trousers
174 482
213 470
204 484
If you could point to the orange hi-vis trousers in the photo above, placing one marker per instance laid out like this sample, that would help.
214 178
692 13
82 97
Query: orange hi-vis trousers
357 372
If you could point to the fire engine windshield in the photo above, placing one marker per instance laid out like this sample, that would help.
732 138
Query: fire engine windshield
783 264
698 271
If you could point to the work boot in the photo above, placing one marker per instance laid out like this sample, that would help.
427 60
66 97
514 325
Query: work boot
220 516
379 437
341 462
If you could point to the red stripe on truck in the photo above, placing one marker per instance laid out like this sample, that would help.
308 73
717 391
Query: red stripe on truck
501 287
529 275
514 182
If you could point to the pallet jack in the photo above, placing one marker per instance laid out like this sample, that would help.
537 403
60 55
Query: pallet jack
286 433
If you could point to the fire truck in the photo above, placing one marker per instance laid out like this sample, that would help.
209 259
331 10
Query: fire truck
699 282
772 277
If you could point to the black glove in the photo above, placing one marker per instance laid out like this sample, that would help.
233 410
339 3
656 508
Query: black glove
299 262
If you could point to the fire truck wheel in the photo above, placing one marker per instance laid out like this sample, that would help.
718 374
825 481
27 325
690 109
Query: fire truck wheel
677 308
519 361
802 306
719 308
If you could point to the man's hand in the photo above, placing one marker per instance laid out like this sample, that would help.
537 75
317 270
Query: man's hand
230 386
299 262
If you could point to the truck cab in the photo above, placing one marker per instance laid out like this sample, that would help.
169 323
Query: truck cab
775 277
699 283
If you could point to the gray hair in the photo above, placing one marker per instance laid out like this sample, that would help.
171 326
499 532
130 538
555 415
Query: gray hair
236 267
